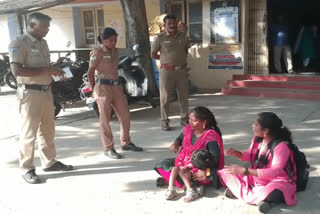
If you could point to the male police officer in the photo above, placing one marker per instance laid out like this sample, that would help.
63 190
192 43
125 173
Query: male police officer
173 47
30 63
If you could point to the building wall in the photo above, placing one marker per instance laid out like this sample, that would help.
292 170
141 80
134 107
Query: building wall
152 8
61 28
113 17
5 39
198 58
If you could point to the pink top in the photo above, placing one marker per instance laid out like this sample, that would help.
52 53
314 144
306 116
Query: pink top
278 162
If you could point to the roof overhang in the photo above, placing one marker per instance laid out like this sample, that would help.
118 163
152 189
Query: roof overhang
28 6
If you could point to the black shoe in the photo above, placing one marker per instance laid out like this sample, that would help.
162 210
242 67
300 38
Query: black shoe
58 166
112 153
132 147
165 126
264 207
31 177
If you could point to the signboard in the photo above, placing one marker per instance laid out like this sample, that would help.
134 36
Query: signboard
225 60
224 22
225 25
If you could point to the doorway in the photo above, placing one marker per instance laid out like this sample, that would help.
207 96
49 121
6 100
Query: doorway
297 14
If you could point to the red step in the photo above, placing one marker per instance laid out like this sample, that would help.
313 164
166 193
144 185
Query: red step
273 92
276 86
277 77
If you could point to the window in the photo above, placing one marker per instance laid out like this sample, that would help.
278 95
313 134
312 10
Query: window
195 22
93 23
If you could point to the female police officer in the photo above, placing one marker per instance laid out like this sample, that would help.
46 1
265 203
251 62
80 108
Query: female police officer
108 93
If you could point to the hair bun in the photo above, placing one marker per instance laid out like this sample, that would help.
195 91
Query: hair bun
107 33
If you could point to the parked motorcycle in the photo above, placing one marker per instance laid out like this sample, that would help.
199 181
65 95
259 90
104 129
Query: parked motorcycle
6 76
68 91
3 69
132 78
11 80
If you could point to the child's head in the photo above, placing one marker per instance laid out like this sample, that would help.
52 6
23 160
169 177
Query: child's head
108 37
202 159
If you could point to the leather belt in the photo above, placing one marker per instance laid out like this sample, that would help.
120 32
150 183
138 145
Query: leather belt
172 67
34 87
107 82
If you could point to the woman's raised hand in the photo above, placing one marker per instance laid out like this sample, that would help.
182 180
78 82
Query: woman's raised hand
230 151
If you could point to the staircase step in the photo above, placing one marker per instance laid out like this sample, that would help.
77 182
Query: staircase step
275 84
273 92
279 77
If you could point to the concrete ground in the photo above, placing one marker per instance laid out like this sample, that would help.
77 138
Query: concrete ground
99 185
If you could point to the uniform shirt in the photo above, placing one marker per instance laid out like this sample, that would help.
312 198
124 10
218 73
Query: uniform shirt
173 49
106 62
30 52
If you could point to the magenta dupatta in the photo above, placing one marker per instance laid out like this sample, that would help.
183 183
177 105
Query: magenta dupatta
184 156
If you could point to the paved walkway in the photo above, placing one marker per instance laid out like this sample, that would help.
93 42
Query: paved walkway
99 185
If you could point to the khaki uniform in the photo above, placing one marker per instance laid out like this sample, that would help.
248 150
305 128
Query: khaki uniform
173 55
110 97
35 107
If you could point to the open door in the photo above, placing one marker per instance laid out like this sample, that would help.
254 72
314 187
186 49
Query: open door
257 49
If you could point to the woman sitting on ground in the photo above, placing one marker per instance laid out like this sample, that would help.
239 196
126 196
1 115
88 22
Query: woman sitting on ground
201 134
266 181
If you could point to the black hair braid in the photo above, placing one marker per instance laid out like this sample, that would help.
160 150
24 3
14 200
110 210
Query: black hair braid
270 121
286 134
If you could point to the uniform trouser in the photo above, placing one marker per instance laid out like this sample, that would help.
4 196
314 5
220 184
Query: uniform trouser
168 80
285 52
37 123
108 98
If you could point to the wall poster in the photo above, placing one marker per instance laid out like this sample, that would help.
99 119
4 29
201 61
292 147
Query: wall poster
225 58
224 20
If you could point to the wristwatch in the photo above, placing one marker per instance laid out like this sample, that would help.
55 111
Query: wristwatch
246 171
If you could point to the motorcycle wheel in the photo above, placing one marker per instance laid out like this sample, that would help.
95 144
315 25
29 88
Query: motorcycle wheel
11 81
57 108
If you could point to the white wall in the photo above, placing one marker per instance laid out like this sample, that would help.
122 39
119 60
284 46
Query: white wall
61 28
5 40
198 58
